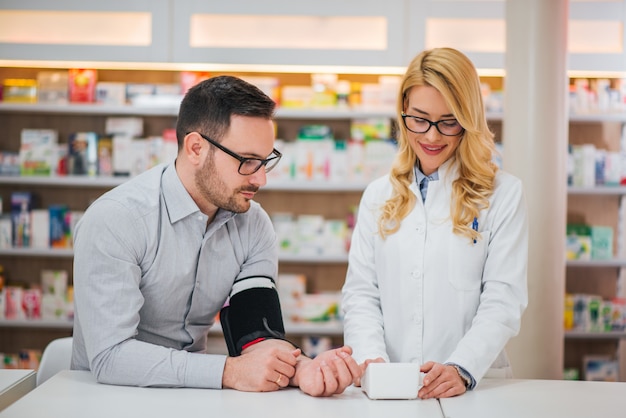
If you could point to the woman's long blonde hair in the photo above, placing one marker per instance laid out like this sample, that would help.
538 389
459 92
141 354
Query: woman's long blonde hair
454 76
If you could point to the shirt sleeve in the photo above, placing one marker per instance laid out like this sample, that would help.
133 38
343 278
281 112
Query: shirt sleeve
108 247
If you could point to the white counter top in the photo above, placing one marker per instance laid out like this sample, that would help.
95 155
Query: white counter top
75 394
495 398
14 384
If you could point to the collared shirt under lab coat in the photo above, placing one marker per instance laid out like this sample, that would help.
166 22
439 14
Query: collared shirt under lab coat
425 293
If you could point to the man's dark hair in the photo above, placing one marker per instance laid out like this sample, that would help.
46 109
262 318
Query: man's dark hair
208 106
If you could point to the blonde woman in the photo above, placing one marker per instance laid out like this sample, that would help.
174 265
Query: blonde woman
437 267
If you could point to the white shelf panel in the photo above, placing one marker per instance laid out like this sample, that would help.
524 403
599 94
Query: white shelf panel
596 263
334 113
597 190
36 323
331 328
144 110
64 181
599 117
90 109
38 252
585 335
108 182
299 258
156 110
314 186
273 184
69 253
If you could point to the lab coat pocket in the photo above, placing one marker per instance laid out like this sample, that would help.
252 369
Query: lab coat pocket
466 261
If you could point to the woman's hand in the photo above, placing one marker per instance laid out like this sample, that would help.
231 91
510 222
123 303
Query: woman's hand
440 381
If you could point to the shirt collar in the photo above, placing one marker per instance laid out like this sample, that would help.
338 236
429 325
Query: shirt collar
419 176
178 202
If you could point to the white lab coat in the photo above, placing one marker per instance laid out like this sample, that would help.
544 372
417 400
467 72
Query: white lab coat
425 293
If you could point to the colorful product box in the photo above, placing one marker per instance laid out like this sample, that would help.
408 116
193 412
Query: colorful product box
40 228
31 303
601 242
9 163
105 156
82 85
53 87
21 206
601 368
82 153
54 285
20 90
13 303
59 227
6 232
111 93
578 242
38 152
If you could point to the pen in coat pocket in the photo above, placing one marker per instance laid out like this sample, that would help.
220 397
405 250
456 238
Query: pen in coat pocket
475 227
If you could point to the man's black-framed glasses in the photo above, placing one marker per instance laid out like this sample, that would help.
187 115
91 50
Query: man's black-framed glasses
447 127
247 165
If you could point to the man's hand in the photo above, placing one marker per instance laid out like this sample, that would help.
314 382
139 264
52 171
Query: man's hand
363 366
263 367
440 381
328 373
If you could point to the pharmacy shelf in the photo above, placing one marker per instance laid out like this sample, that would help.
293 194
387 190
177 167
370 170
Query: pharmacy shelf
281 113
330 113
596 263
64 181
169 110
330 328
314 185
89 109
586 335
38 252
597 190
598 117
37 323
69 253
108 182
313 258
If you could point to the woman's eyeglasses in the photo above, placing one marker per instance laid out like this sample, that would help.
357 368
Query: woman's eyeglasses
447 127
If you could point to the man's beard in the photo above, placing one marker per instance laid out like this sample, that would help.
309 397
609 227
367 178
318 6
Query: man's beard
215 191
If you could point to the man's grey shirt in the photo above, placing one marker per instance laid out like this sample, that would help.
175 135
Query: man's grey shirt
150 277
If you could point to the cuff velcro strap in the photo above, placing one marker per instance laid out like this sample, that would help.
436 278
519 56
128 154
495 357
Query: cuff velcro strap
251 314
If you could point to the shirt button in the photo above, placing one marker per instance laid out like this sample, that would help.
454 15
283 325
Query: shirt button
416 274
200 218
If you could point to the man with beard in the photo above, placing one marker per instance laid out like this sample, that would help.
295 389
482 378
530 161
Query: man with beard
156 258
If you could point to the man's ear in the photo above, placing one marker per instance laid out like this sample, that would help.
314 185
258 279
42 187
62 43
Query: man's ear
192 148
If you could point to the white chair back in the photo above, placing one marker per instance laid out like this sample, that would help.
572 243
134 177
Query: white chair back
56 356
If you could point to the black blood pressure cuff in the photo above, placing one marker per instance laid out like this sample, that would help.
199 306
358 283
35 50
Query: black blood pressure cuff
251 313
